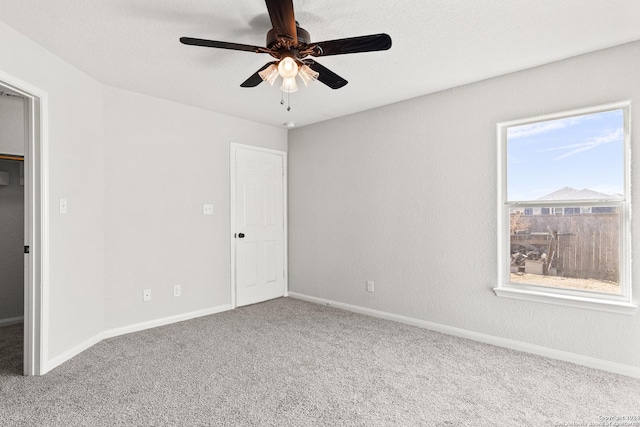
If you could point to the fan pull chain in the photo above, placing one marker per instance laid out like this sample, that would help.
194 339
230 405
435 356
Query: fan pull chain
288 100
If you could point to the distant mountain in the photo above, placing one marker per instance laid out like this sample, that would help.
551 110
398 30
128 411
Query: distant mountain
568 193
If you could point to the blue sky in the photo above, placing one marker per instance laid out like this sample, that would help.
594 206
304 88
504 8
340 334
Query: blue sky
581 152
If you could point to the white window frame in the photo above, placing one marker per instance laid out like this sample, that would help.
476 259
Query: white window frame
620 303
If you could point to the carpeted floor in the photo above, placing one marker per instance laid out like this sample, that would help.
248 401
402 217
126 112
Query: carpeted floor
11 355
292 363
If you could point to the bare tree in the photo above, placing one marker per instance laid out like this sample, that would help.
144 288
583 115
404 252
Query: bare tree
518 222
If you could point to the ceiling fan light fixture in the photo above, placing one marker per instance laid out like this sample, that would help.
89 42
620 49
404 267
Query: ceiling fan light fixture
289 45
307 75
270 74
287 67
289 85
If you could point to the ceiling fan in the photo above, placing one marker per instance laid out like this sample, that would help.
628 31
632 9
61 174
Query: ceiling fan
291 46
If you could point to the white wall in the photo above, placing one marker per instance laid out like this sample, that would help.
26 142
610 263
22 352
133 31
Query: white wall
11 125
143 194
405 195
11 242
74 137
162 162
135 171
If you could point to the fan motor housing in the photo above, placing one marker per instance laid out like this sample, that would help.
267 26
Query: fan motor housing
303 37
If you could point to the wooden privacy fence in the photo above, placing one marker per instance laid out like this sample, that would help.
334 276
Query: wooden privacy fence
587 246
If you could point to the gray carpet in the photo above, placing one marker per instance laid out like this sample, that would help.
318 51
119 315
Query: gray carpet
11 356
292 363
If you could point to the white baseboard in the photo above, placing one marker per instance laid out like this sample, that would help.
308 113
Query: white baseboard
11 321
69 354
164 321
591 362
110 333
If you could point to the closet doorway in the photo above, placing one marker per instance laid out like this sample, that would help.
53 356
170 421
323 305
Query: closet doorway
21 249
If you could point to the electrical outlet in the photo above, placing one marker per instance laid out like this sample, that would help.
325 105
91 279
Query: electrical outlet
207 209
370 287
176 290
146 295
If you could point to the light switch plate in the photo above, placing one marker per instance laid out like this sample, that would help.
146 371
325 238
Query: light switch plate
63 205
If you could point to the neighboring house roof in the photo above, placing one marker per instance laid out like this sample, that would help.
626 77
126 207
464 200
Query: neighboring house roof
568 193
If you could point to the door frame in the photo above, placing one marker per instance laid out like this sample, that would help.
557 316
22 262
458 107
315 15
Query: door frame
36 223
232 188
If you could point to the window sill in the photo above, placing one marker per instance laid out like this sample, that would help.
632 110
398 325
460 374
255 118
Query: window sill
567 300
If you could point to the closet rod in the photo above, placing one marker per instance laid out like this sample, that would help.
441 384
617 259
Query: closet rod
11 157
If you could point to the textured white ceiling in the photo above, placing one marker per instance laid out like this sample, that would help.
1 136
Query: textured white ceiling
437 44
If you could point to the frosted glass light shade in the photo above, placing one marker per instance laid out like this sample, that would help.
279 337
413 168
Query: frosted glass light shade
287 67
289 85
307 75
269 74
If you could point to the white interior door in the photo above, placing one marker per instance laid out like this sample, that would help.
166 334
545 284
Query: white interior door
259 226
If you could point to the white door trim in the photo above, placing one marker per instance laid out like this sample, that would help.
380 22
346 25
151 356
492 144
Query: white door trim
36 286
232 189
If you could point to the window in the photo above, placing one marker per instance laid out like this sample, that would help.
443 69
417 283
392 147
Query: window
572 171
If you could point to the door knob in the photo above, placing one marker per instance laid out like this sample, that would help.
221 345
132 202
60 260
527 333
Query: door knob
240 235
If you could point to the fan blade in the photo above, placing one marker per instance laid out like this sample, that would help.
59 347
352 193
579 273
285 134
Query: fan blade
370 43
326 76
221 45
283 19
255 79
